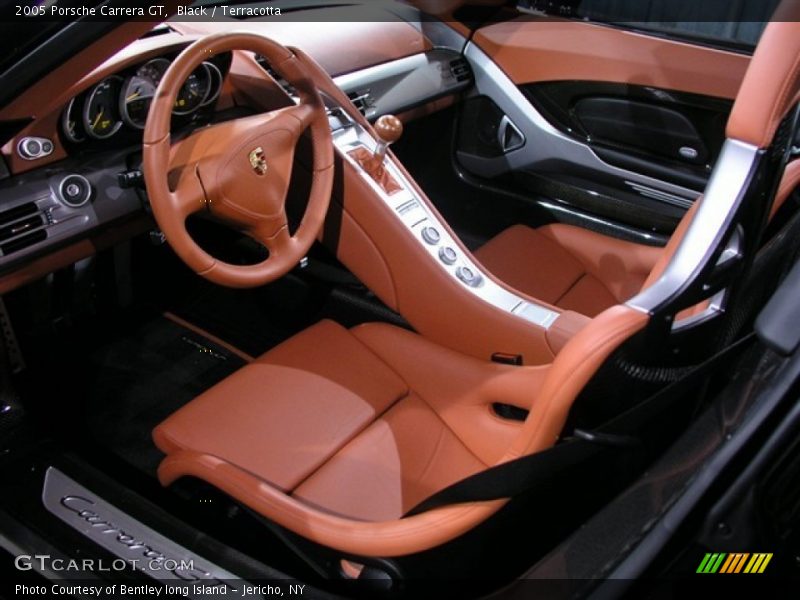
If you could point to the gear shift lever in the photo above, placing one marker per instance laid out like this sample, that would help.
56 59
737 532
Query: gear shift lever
389 129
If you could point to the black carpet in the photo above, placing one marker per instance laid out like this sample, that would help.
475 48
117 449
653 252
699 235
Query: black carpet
137 381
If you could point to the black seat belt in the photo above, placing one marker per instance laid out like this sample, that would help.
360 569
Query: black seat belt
514 477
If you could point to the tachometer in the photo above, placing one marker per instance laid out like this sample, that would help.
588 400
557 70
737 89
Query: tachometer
101 117
138 92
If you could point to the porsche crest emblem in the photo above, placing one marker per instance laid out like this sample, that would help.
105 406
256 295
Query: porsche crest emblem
258 161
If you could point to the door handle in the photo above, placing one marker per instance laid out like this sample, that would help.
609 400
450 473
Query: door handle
509 137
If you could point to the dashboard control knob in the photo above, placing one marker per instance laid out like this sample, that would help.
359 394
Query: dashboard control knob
75 190
431 235
31 148
448 256
468 276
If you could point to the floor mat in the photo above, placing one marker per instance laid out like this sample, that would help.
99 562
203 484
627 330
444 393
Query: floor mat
137 381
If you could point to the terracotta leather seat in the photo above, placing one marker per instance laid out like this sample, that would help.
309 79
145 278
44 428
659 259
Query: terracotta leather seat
327 406
584 271
569 267
335 434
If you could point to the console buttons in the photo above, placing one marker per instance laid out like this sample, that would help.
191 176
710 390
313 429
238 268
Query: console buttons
31 148
468 276
431 235
448 256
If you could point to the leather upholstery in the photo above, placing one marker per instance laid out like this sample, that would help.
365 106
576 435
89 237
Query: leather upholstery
335 434
238 170
771 87
586 272
569 267
531 49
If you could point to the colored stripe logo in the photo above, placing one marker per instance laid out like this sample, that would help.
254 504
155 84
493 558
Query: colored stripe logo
733 563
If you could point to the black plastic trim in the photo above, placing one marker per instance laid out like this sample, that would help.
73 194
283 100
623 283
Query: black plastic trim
776 326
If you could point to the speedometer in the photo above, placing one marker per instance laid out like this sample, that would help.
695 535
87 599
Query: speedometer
101 112
139 90
71 122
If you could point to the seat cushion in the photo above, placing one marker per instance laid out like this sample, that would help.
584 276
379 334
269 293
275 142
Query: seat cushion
343 420
347 494
287 413
401 459
568 267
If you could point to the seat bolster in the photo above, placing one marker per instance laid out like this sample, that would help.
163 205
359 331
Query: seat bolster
571 370
459 388
620 266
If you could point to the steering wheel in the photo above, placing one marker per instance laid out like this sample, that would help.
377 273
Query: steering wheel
239 170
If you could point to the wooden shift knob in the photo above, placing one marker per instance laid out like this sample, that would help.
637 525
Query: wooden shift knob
389 129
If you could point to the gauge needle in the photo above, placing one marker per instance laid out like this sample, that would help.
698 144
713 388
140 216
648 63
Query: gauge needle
133 96
97 119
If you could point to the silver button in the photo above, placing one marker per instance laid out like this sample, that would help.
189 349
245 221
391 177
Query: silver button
431 235
688 152
468 276
447 255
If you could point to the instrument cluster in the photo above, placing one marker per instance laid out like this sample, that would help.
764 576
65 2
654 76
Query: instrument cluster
124 100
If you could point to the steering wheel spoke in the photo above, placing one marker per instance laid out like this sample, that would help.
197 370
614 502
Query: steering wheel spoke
304 114
189 196
279 242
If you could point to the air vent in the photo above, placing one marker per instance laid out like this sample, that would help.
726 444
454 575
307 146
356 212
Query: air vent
362 101
20 227
287 87
460 70
158 30
12 214
23 242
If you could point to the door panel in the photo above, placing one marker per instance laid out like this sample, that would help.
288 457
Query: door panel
618 125
531 49
620 122
666 134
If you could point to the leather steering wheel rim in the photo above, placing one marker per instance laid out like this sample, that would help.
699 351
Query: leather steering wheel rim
238 170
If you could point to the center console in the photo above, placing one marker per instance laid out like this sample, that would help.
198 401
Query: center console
426 228
396 242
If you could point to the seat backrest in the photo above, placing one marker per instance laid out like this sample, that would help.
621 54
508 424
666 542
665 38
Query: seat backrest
743 185
731 215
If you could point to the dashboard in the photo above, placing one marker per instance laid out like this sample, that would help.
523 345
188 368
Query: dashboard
100 130
125 100
117 106
77 168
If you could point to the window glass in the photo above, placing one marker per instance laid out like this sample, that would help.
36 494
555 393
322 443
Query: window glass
736 23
